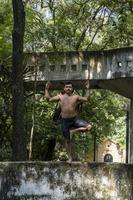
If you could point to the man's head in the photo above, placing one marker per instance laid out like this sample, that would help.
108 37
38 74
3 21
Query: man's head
68 88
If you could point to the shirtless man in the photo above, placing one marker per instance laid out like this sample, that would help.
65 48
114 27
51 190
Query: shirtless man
69 121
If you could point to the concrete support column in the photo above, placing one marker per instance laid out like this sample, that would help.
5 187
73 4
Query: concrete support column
131 133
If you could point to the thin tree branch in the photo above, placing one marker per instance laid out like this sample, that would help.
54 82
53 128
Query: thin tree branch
86 28
98 28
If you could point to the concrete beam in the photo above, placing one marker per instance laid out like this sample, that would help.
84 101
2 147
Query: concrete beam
122 86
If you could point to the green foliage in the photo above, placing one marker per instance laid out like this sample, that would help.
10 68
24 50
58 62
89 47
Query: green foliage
5 29
43 131
106 108
80 25
5 113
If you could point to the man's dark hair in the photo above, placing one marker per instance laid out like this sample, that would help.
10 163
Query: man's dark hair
68 83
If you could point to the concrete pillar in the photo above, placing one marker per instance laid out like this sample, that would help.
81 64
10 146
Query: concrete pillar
131 133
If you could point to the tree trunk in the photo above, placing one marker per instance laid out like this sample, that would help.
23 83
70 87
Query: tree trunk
33 110
17 81
50 150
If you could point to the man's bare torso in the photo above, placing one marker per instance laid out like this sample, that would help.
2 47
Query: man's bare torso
68 105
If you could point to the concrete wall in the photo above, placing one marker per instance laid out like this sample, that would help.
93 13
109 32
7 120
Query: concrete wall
60 181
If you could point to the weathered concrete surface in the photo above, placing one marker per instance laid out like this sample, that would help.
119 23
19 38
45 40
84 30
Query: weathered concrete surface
60 181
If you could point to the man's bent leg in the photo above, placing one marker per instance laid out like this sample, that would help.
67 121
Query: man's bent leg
82 126
74 130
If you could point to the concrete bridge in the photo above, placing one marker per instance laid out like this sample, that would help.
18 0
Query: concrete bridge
109 69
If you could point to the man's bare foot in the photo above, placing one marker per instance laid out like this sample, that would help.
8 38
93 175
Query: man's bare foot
69 161
89 127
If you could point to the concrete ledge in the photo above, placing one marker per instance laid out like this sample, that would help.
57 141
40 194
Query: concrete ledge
61 181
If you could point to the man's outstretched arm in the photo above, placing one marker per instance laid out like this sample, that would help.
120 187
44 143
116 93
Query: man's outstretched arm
47 95
87 96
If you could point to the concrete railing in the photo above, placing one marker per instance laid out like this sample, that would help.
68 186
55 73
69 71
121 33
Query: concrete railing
61 181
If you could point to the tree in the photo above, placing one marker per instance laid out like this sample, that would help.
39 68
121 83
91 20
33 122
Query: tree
5 29
82 25
17 81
